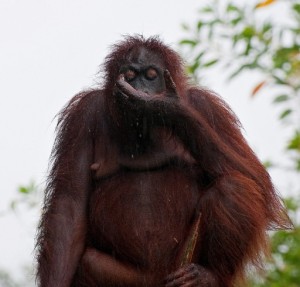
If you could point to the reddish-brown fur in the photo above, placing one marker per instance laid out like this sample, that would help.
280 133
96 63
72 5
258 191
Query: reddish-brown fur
141 218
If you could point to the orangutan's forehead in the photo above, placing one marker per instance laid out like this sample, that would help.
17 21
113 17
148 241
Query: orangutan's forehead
144 57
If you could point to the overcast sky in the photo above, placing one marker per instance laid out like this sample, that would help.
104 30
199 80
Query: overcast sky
50 50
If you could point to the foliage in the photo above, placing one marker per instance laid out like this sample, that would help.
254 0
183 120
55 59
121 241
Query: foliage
28 196
284 269
235 37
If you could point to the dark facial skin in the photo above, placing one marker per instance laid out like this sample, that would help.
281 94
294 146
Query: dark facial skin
144 72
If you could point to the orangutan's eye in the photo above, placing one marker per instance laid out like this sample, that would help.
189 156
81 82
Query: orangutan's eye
130 75
151 74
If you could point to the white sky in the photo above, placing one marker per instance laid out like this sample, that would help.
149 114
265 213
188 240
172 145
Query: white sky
50 50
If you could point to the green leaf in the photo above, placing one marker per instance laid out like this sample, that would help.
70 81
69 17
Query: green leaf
199 56
210 63
285 113
248 32
192 43
199 25
235 73
267 27
279 81
248 48
241 68
207 9
211 31
235 39
23 189
280 99
235 21
185 27
268 164
294 144
192 68
231 7
298 164
296 7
